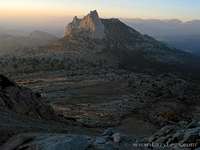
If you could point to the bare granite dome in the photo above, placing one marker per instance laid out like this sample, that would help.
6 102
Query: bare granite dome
91 24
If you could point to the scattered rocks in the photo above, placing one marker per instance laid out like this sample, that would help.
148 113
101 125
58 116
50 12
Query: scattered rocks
116 137
108 132
193 124
100 140
178 135
106 114
154 97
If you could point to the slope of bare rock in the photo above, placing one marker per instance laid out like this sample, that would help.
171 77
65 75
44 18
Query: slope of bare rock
21 110
12 124
23 101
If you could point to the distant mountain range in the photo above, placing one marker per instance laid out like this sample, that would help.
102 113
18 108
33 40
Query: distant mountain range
176 33
13 41
182 35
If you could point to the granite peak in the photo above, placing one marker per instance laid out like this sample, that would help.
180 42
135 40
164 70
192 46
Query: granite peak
91 25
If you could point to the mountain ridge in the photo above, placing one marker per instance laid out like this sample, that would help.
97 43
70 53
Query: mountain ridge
182 35
121 41
11 44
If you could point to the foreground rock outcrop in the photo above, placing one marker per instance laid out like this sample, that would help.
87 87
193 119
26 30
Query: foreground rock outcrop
183 136
108 140
23 101
22 110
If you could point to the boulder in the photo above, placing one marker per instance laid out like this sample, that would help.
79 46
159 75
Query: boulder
100 140
108 132
116 137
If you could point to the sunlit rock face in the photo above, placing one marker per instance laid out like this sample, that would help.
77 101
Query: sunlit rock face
91 25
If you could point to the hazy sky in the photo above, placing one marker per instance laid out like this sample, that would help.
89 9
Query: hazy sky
159 9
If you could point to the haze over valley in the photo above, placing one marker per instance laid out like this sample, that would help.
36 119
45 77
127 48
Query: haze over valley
176 33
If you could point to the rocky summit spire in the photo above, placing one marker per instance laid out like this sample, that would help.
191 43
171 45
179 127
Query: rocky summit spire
91 24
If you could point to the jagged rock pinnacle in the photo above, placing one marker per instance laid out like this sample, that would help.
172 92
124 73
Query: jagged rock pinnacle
91 24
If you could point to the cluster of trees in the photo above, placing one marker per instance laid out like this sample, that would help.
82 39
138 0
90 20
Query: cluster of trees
31 64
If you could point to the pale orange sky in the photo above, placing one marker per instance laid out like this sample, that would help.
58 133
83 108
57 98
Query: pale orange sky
158 9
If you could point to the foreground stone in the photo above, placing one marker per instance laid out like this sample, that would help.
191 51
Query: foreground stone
23 101
182 136
64 142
